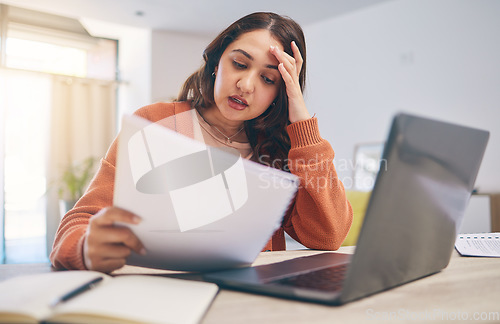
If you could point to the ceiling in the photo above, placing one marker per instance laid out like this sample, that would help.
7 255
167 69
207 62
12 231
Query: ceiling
201 17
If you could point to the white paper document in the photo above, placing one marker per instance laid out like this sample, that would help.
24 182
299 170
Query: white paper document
479 244
202 208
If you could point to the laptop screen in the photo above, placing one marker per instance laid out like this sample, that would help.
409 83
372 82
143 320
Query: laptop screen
427 174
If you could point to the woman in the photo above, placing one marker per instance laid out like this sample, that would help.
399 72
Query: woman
248 96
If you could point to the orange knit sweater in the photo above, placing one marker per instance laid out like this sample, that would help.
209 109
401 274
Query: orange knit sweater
319 218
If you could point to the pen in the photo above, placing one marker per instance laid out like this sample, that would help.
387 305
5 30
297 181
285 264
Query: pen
77 291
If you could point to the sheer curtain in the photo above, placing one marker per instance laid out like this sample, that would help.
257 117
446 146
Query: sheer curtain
2 150
83 120
25 100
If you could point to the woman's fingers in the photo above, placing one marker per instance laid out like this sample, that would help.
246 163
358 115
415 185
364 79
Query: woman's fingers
108 265
101 257
285 74
107 243
110 215
292 63
286 60
116 235
107 229
108 251
289 68
298 57
114 251
286 67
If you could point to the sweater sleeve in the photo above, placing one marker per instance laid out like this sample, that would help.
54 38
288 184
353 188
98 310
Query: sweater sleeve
67 250
321 215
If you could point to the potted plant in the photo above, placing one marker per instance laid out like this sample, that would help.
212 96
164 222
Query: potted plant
74 182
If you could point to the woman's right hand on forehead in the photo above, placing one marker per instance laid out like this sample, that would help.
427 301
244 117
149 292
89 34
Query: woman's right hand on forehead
290 68
107 245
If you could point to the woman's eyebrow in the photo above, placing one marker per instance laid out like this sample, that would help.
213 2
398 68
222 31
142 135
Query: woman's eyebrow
250 57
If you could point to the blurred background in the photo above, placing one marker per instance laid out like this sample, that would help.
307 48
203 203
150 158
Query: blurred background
70 69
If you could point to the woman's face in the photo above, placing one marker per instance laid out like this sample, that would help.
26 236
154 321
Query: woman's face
247 77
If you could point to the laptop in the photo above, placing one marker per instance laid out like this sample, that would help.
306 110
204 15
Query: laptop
202 208
427 174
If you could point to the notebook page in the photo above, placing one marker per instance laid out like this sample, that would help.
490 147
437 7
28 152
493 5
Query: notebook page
143 299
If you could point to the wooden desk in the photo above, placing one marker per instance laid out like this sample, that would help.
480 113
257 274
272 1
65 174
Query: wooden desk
467 287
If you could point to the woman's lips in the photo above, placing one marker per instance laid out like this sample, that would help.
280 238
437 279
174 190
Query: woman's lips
237 103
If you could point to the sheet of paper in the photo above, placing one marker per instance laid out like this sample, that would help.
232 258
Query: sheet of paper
479 244
202 208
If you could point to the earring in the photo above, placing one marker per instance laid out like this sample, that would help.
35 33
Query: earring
213 74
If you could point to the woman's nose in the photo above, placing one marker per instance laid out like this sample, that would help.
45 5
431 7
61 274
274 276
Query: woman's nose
246 83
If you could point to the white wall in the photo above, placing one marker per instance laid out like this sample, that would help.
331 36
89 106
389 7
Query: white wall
175 57
435 58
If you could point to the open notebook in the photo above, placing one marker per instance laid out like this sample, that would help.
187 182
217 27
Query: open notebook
122 299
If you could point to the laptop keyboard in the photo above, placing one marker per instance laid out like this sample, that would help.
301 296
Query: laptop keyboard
327 279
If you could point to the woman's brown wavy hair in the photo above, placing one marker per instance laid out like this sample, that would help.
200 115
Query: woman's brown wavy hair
267 133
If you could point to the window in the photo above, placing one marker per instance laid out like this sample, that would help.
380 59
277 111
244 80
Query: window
31 55
36 46
25 147
47 43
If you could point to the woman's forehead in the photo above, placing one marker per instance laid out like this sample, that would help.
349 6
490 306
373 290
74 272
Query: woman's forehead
258 38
